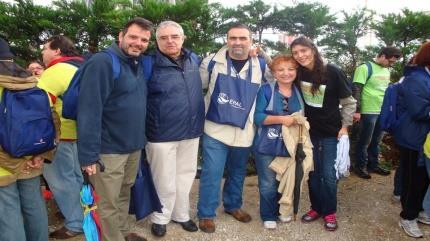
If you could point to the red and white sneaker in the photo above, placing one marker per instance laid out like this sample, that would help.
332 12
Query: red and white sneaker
310 216
330 222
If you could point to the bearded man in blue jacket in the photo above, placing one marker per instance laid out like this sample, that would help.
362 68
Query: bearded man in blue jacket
111 125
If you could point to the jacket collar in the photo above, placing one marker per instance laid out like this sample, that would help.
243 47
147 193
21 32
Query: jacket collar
164 60
64 59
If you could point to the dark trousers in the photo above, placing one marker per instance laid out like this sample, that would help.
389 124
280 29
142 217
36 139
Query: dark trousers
414 183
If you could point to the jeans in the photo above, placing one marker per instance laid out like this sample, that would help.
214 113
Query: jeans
368 143
216 155
426 201
23 211
65 180
322 180
414 183
268 187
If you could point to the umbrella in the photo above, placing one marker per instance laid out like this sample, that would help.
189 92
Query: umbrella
300 156
144 199
91 223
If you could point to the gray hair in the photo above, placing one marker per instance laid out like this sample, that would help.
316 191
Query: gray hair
169 23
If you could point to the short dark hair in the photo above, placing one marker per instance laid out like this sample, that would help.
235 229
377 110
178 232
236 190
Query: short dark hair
240 25
64 44
390 52
141 22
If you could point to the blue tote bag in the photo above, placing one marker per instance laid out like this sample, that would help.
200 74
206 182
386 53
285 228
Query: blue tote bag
232 98
144 199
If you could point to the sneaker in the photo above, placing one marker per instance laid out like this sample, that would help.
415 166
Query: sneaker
286 219
423 218
330 222
269 224
411 228
395 198
310 216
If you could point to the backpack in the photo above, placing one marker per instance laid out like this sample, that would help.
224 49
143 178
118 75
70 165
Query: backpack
369 74
70 96
389 116
261 60
27 127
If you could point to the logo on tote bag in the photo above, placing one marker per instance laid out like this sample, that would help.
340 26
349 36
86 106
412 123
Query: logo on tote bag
272 134
224 99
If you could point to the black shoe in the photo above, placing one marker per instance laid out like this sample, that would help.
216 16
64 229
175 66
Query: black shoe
158 230
381 171
189 225
362 173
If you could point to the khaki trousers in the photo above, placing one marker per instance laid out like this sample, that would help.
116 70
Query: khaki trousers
113 187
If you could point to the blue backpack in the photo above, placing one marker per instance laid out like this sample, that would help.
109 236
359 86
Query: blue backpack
389 116
70 96
27 127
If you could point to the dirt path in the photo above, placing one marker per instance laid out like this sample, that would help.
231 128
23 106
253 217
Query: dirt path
365 212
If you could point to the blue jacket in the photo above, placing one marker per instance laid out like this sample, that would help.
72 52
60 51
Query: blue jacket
414 108
175 99
111 112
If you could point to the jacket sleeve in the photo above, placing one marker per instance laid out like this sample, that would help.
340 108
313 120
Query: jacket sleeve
260 107
204 73
96 83
417 96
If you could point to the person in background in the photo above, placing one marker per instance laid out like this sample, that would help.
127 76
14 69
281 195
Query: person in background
36 68
324 87
414 124
369 85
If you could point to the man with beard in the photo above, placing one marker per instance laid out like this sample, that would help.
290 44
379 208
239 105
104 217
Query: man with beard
111 125
232 79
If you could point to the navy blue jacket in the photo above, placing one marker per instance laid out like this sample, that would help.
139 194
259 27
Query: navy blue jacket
175 99
111 112
414 106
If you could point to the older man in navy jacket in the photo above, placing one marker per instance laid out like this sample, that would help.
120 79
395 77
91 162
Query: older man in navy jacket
174 121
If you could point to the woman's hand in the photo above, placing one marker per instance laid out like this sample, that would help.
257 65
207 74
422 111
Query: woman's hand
342 131
288 121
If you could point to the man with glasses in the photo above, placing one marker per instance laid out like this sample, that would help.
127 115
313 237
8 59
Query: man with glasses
174 125
371 79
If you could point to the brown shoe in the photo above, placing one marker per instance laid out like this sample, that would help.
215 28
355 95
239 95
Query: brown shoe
63 233
240 215
134 237
207 225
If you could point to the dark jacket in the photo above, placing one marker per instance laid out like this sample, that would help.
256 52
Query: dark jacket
175 99
111 112
414 108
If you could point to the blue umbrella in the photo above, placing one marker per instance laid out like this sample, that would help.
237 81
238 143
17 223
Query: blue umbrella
91 223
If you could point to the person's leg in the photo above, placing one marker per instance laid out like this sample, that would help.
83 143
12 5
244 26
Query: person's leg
315 176
65 181
373 148
415 181
367 123
426 201
33 209
108 185
186 168
328 188
398 181
130 172
236 173
214 158
162 159
11 221
268 188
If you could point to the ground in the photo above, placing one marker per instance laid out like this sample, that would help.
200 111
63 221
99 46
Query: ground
365 212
